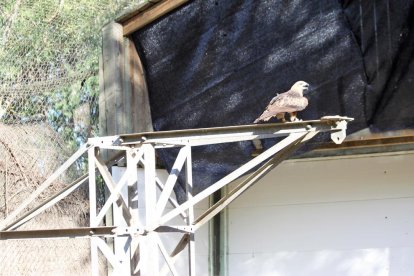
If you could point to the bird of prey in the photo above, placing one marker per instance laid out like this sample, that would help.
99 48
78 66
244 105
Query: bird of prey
290 102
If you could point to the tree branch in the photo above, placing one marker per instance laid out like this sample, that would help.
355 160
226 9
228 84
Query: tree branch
16 161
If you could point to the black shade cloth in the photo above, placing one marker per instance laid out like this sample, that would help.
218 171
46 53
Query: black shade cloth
384 33
218 63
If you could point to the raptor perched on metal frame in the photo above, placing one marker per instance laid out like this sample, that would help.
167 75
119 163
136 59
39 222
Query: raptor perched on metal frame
290 102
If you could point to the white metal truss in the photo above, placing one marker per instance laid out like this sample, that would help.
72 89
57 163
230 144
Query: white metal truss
141 242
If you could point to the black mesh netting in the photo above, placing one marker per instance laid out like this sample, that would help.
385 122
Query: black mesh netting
218 63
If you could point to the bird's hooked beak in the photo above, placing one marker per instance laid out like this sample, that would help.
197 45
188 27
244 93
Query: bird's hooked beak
306 89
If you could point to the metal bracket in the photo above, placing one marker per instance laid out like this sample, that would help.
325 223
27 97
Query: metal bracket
338 133
108 141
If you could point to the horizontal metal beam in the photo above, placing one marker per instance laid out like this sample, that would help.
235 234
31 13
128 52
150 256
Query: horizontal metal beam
87 232
80 232
208 136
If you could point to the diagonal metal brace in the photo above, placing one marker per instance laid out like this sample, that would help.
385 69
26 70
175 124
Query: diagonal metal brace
292 138
248 182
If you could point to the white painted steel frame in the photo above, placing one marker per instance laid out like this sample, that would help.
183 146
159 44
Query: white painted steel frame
143 247
156 215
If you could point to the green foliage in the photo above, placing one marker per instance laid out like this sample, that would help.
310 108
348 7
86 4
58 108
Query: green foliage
64 103
49 62
49 53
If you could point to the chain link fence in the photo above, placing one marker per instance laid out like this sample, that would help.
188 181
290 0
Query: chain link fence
48 107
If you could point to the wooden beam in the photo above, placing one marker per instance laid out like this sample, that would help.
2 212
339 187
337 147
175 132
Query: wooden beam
136 96
134 10
111 113
123 101
144 18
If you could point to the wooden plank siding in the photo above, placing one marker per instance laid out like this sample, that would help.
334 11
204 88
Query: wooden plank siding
137 91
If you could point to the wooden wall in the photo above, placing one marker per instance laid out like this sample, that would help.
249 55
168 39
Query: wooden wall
123 102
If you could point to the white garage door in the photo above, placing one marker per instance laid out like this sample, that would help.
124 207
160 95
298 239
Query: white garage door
351 216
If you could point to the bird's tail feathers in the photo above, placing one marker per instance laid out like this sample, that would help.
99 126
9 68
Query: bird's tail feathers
262 119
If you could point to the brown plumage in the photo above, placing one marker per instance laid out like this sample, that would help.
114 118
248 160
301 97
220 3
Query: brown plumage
290 102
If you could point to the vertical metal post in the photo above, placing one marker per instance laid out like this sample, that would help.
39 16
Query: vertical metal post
190 212
132 163
121 244
92 210
148 246
215 236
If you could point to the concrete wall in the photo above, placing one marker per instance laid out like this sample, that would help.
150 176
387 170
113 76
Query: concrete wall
350 216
